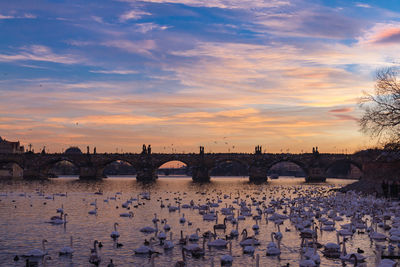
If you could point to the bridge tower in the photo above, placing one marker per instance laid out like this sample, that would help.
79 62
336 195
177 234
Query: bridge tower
316 170
201 172
146 169
258 170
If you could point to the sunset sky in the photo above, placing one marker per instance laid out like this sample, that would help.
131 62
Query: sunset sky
176 74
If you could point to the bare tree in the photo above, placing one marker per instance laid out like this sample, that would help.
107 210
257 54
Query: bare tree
381 116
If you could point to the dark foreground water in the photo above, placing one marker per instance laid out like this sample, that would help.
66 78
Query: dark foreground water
25 210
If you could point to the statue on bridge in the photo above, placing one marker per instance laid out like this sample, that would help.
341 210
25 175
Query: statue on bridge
144 149
258 150
202 150
315 150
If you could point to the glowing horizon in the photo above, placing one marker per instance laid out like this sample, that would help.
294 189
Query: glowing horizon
227 75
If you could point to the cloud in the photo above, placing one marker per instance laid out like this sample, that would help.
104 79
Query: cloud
122 72
341 110
388 36
381 34
363 5
39 53
150 26
133 15
135 47
226 4
24 16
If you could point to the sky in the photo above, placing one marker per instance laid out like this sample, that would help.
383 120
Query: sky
177 74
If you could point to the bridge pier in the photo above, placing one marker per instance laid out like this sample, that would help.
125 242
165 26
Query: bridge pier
91 173
315 174
147 174
200 174
34 174
258 174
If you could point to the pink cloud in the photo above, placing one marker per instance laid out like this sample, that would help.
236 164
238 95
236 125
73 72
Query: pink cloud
341 110
387 36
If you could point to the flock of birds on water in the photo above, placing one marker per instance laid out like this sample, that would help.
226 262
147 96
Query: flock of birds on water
309 211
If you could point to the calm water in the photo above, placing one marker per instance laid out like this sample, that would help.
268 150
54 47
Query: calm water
24 212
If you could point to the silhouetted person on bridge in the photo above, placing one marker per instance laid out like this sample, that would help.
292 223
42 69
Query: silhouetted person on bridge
385 188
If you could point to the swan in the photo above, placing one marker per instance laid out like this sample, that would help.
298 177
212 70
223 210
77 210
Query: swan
93 212
149 229
332 250
199 252
161 236
235 232
226 260
306 262
249 249
168 244
37 252
61 210
278 235
255 226
350 257
115 234
217 243
312 254
182 219
181 263
374 235
59 221
67 251
248 241
155 219
145 249
166 226
94 257
272 248
195 236
220 225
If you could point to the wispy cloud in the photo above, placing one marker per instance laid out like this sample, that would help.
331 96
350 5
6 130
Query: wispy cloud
134 14
122 72
363 5
24 16
136 47
39 53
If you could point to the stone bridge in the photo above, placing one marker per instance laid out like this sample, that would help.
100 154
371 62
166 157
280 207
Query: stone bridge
91 166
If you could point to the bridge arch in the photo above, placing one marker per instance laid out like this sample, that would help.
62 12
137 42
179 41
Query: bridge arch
299 164
46 167
230 163
347 162
12 161
173 167
118 166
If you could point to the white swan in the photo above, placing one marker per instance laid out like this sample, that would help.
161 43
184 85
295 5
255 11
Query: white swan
195 236
272 248
217 243
226 260
67 250
115 233
37 252
168 244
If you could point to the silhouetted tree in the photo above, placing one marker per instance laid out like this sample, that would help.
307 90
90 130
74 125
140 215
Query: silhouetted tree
381 116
